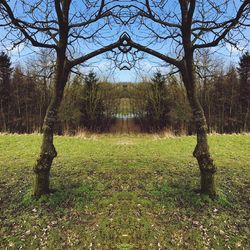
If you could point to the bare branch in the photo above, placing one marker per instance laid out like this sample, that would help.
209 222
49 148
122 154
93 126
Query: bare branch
227 27
18 25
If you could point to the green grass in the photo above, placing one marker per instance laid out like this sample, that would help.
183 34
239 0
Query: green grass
124 192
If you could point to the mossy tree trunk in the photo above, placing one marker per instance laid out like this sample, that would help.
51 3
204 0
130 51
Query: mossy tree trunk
201 152
48 151
62 71
188 72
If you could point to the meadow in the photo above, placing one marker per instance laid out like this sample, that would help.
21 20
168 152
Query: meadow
124 192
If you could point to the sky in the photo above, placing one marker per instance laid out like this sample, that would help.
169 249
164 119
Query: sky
103 67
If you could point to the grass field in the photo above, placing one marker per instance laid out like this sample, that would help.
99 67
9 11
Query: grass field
124 192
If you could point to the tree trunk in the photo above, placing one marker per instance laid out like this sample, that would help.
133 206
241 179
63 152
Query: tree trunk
245 127
3 118
187 69
201 152
48 151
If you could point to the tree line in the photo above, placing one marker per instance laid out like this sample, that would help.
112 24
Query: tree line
25 96
224 95
156 104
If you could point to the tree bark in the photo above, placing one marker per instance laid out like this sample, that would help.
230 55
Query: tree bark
48 151
245 127
3 118
201 152
187 69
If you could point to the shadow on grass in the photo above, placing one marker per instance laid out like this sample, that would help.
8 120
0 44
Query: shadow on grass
68 196
182 195
171 194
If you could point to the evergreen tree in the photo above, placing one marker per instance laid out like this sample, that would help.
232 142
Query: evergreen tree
158 104
70 114
244 71
5 72
92 104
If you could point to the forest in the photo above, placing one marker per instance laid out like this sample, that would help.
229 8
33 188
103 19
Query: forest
156 104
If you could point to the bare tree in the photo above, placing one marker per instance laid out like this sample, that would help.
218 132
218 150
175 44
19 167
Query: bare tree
65 27
182 28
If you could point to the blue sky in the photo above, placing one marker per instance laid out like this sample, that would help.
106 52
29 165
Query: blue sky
227 53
